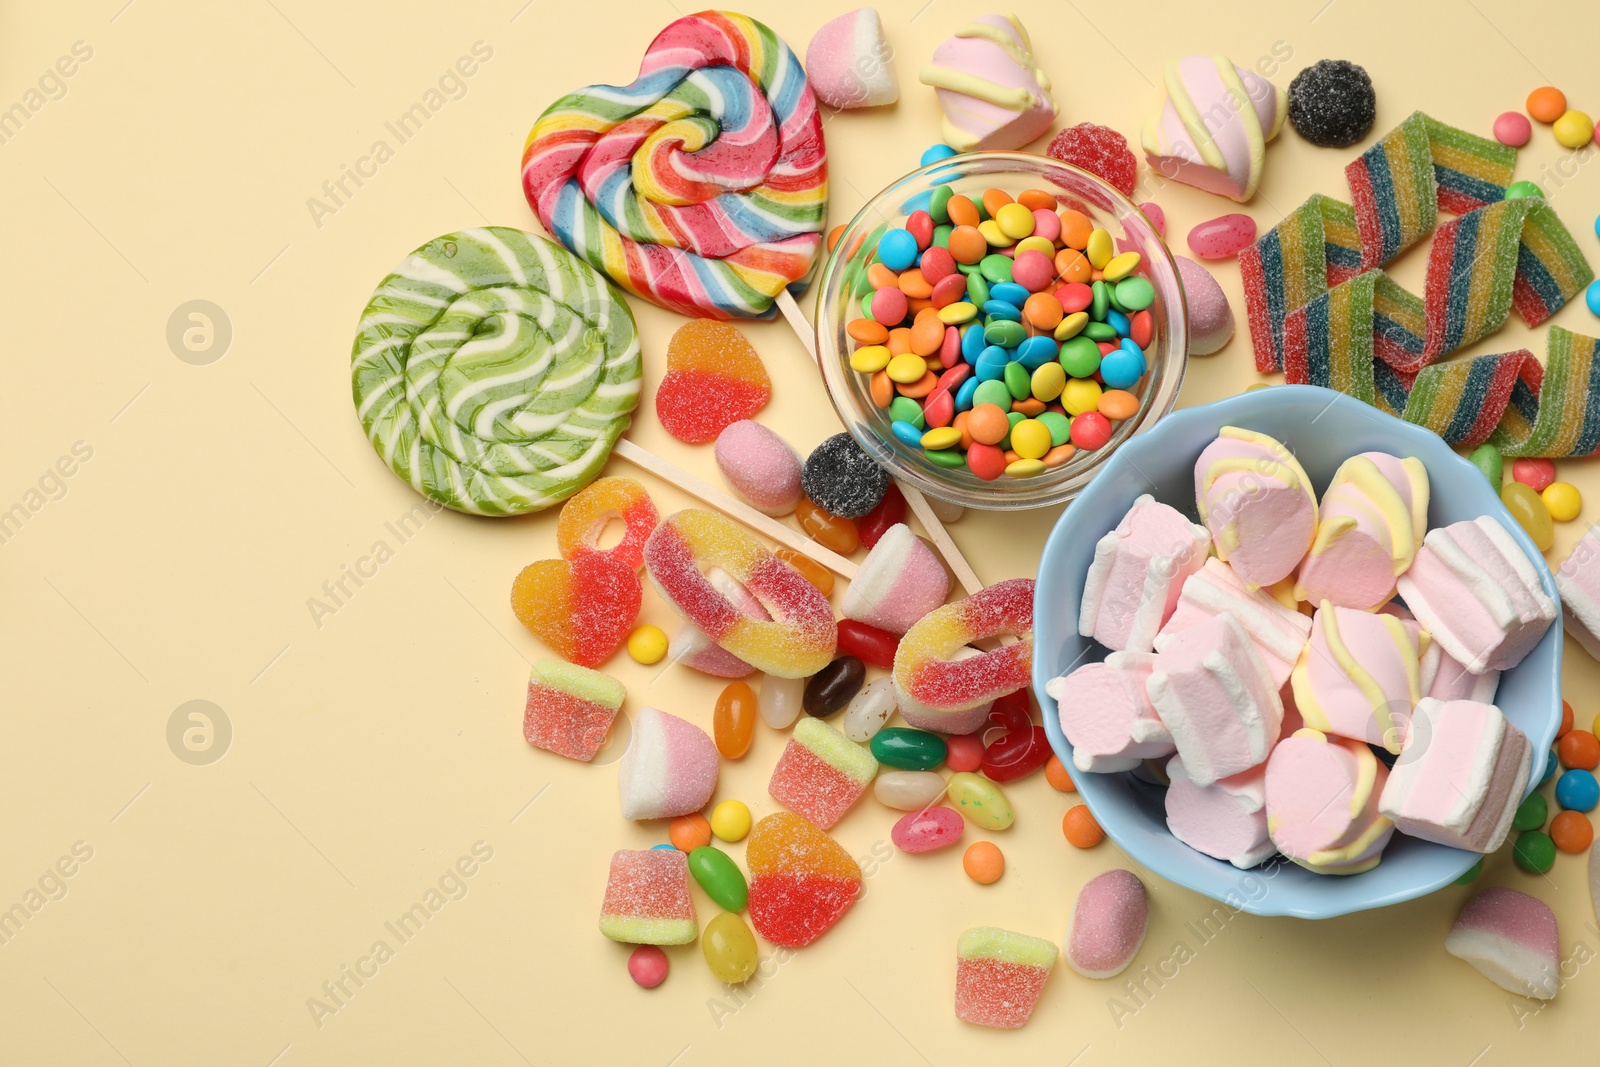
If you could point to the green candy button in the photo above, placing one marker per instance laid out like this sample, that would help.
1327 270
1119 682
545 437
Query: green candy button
1005 333
997 268
1019 381
1080 356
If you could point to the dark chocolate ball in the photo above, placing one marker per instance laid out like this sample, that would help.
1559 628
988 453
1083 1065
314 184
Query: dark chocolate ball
1331 103
842 479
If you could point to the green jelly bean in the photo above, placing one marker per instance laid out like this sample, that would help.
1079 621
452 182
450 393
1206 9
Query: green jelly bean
1531 813
1487 458
941 235
1099 331
1059 425
939 204
908 749
947 457
720 877
995 393
977 289
1005 333
1101 300
1019 381
1135 293
980 800
995 267
1534 851
1080 356
904 409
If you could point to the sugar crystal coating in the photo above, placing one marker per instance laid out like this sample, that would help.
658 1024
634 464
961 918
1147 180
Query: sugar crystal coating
842 479
1099 150
1331 103
585 516
570 708
714 379
999 976
801 880
582 608
1109 922
647 899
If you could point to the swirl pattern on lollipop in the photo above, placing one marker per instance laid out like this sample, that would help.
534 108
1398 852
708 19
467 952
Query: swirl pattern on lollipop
494 371
703 185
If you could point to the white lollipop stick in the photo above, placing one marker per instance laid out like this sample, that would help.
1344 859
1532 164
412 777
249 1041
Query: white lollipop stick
919 504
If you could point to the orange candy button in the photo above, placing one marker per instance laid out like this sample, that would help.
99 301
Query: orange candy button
988 424
881 277
920 388
867 332
689 832
927 334
994 200
882 388
914 285
1547 103
1571 831
984 862
1055 772
967 245
1075 229
1118 404
1073 266
1080 827
1579 749
962 211
1036 200
1043 311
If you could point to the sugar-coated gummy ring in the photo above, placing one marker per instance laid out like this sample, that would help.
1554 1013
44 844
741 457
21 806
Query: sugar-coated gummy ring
493 371
585 516
799 640
923 665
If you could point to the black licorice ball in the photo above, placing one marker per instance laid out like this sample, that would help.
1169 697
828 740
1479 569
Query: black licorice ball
1331 103
843 480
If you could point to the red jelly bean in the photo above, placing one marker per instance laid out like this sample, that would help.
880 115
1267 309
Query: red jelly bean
987 461
1536 474
1091 430
1157 217
963 752
868 643
1016 755
890 511
937 264
1141 327
1223 236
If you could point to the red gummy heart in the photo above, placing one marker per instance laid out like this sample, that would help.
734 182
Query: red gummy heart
1016 755
1099 150
582 608
714 379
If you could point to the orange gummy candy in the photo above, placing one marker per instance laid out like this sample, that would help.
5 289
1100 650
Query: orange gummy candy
714 379
582 608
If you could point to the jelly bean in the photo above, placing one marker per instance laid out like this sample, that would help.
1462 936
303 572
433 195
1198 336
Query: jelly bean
1010 712
689 832
809 569
1563 500
1157 217
908 790
730 820
831 688
907 749
647 644
868 643
1531 813
980 800
780 700
1574 129
1472 873
897 250
1223 236
1080 827
1577 790
1016 754
720 877
1487 459
1081 395
1056 773
1534 852
733 722
729 948
964 752
870 709
890 511
1512 128
648 966
831 531
1531 514
1122 368
984 862
1521 190
928 829
1536 474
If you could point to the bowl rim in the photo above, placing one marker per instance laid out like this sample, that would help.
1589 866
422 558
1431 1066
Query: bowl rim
1238 410
831 361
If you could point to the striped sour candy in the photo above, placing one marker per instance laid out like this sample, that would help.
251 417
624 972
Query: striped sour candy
927 666
999 976
647 898
494 371
703 185
570 708
821 773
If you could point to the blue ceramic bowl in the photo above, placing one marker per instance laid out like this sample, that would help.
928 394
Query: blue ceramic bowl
1322 428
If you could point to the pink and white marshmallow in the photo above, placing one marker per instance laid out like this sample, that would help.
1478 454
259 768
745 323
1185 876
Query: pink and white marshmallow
1277 630
1360 675
1512 939
1226 820
899 582
760 467
669 769
1443 676
992 93
850 64
1256 500
1107 715
1215 696
1461 775
1476 592
1138 571
1578 582
1371 523
1213 129
1322 803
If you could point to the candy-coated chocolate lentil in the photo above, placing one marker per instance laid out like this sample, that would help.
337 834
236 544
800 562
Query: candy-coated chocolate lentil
720 877
1046 224
1120 266
647 644
1563 500
1530 512
729 948
1015 220
1531 813
928 829
927 334
812 571
939 203
1081 828
995 268
867 332
897 249
1122 368
948 458
689 832
978 293
1571 831
1035 352
964 752
1118 404
1025 468
940 438
908 790
869 709
1075 229
881 388
962 211
870 358
994 200
830 531
967 245
1099 249
1048 381
1522 189
907 749
1117 320
1032 270
1566 720
1577 790
993 235
921 387
831 688
1018 381
904 409
1004 332
1101 331
1030 439
987 423
1058 456
991 364
1573 129
730 820
957 313
1135 293
1099 300
1534 852
906 433
733 722
984 862
1546 103
1079 396
1512 128
914 285
1090 430
1028 407
1487 459
1001 309
1056 773
919 224
1536 474
940 410
1080 356
906 368
648 966
979 800
1579 748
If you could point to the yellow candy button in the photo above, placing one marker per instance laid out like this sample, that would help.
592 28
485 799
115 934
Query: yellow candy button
941 437
1120 267
993 234
1037 244
730 820
961 311
1026 468
1071 326
1573 129
869 359
1048 381
647 644
1030 438
1014 220
1100 249
1563 500
906 368
1080 395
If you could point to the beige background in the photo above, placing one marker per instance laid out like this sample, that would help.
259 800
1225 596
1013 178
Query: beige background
371 752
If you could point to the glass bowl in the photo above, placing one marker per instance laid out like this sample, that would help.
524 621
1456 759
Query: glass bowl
1012 172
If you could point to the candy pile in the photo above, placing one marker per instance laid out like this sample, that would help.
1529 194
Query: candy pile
1272 716
1001 334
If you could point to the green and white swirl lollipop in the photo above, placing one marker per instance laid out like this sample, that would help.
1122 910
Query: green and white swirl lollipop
494 371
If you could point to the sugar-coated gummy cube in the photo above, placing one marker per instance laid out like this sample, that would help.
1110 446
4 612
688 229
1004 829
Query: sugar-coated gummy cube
821 773
999 976
647 898
570 708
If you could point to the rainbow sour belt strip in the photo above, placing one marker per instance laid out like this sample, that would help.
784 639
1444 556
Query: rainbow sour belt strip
1322 310
703 185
